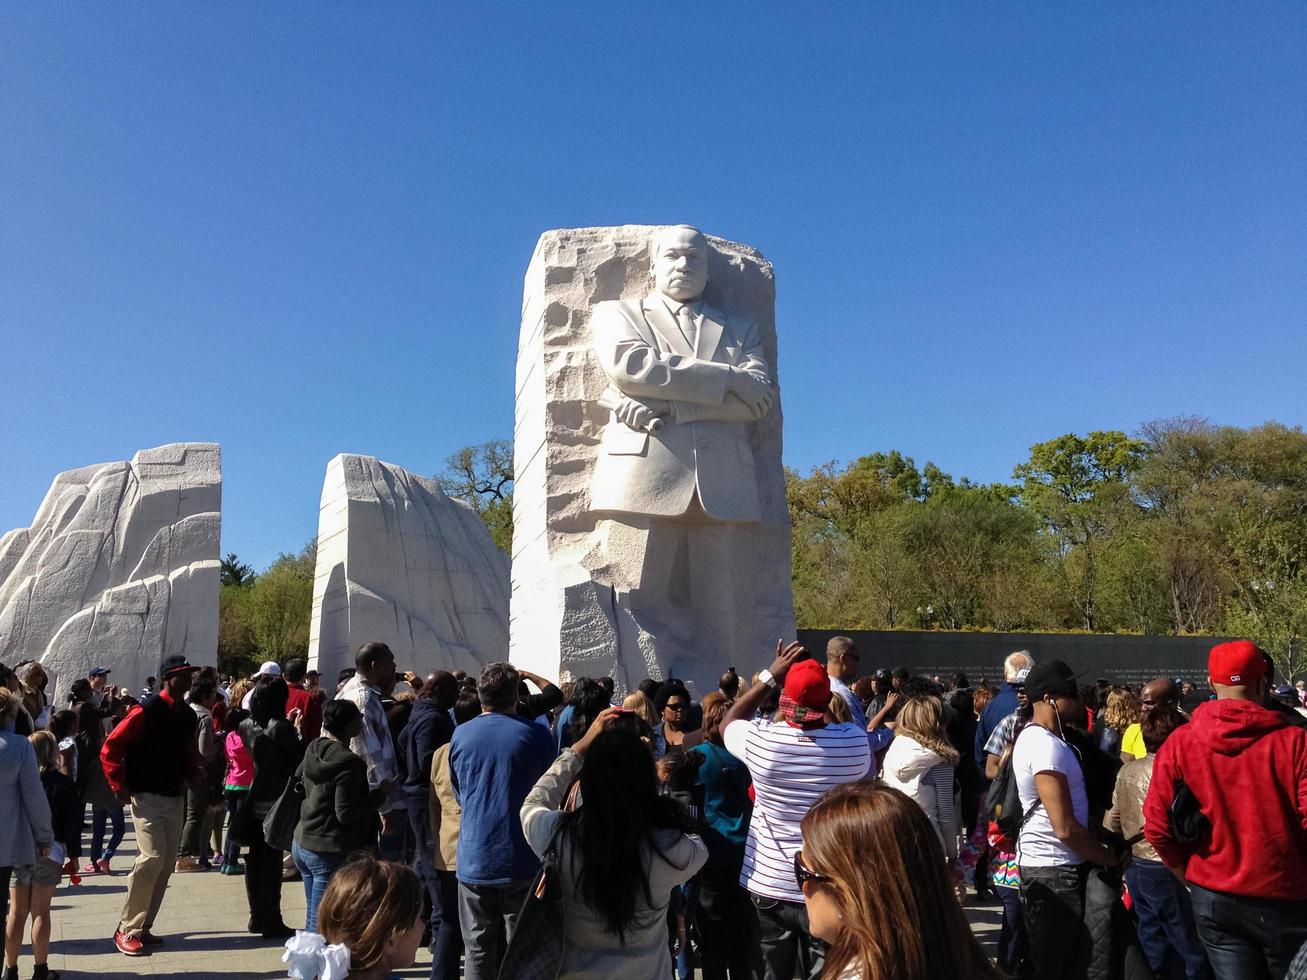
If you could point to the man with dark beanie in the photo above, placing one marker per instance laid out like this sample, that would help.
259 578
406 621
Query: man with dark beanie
148 760
1245 857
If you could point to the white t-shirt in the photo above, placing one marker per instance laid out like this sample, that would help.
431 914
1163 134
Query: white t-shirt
1039 750
791 768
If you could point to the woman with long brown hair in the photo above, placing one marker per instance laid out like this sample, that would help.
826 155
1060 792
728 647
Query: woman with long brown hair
876 888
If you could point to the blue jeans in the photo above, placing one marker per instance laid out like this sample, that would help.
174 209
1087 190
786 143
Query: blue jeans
231 847
1248 938
100 815
1166 922
316 868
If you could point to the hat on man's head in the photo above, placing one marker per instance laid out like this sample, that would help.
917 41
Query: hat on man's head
1020 679
269 668
98 672
1236 663
176 664
806 693
884 676
1052 678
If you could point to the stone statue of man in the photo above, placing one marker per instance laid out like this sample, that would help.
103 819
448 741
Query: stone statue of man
686 379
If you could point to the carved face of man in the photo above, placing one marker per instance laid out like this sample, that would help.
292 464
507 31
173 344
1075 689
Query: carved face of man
680 263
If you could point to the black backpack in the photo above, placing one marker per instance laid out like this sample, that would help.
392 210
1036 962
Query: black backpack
1003 801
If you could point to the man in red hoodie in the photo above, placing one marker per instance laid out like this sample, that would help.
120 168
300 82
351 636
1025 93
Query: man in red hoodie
1247 870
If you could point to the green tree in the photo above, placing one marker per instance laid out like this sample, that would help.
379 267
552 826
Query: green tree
482 476
279 606
233 571
1079 488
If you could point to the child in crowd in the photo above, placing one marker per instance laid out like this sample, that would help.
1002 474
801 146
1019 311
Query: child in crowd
236 785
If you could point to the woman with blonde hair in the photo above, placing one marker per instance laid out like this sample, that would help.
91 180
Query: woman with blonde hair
920 763
644 709
1120 712
876 889
370 925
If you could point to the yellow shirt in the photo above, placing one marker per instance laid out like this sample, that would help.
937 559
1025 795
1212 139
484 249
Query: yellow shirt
1133 741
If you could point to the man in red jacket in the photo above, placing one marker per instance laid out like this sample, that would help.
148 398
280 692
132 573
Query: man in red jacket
1247 870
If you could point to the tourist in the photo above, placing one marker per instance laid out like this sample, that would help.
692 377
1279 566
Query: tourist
33 680
1120 711
1001 870
883 687
1055 847
370 923
729 684
236 785
1157 694
429 727
587 700
372 681
337 814
920 763
644 709
147 690
193 854
446 818
267 670
792 760
148 759
842 665
1161 902
26 832
674 727
532 706
620 854
275 747
1245 767
875 887
93 715
724 917
1002 704
303 699
494 759
34 883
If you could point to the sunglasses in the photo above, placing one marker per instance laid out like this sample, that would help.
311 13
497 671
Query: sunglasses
803 874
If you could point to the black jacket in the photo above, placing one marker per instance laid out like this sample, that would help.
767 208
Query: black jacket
429 727
276 751
338 809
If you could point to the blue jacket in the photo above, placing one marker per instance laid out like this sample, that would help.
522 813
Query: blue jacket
1004 703
428 728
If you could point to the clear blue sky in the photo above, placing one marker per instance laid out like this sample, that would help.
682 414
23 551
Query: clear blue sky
300 229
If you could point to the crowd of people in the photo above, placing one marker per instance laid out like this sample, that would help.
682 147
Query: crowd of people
814 821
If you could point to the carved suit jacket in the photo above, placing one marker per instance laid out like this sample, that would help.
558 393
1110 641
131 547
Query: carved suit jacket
703 446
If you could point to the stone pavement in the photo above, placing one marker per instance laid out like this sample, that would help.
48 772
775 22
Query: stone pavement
202 924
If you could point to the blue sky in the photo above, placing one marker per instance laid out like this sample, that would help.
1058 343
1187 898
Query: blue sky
300 229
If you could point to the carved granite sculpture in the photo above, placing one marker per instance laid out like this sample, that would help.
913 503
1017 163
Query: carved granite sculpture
401 562
119 568
651 536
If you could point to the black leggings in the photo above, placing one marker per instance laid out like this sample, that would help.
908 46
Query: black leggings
262 880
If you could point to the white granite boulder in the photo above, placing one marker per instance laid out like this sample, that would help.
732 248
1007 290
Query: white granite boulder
401 562
651 535
119 568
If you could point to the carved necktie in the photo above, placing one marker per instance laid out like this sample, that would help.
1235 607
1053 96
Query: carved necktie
689 329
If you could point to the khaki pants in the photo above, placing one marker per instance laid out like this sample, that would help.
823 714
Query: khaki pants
158 822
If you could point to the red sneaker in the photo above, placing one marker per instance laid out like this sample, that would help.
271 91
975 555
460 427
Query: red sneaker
129 945
150 939
103 865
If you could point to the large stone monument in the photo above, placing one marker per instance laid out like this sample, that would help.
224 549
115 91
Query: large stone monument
401 562
119 568
651 536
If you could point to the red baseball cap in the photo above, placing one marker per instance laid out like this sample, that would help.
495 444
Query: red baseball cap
806 693
1236 663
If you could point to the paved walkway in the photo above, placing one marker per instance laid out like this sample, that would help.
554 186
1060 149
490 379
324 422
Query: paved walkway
202 924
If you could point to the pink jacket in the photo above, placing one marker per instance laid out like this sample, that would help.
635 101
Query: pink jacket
240 767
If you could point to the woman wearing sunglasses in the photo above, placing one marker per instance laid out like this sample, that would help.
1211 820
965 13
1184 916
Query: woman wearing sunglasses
877 890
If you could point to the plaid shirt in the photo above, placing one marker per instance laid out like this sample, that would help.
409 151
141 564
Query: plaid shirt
374 745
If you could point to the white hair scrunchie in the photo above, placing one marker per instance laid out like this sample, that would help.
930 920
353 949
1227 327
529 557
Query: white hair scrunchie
311 958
